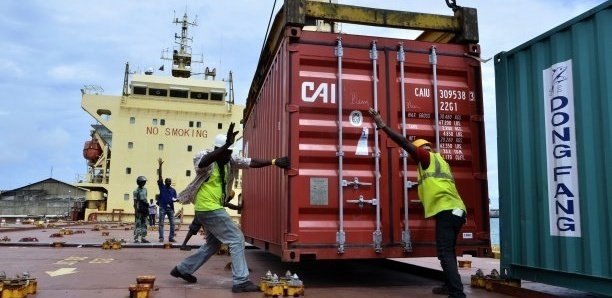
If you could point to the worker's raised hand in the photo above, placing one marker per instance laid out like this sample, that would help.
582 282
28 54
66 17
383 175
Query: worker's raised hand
160 161
231 135
282 162
377 118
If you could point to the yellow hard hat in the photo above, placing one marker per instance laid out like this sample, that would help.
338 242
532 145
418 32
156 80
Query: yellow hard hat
420 142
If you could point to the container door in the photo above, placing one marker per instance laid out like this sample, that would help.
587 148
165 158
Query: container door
337 209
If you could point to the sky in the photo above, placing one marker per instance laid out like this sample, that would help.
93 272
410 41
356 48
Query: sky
49 50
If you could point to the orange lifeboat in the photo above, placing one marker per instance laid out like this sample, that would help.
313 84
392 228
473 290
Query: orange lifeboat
92 150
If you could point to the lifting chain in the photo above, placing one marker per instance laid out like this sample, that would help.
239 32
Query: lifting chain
452 4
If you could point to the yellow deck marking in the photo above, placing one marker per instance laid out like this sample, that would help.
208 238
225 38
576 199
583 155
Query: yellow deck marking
100 261
61 271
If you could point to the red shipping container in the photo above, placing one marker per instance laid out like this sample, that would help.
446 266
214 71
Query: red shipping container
330 204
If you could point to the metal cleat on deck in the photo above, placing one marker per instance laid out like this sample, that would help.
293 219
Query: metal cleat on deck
58 244
140 291
111 244
464 264
105 233
79 232
28 239
31 283
66 231
5 239
295 287
478 279
146 279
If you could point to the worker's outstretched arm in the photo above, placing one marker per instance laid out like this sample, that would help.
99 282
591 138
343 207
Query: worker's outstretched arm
396 137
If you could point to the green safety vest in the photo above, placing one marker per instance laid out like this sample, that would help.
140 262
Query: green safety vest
437 189
210 194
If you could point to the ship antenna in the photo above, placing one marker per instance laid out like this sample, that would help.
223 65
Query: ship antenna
181 54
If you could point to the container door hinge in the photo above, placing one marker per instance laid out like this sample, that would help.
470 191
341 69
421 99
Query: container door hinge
289 237
480 176
476 118
292 108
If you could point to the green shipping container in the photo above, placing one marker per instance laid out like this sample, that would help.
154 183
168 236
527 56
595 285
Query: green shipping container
554 121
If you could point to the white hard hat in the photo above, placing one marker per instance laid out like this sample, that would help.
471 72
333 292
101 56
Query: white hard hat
220 140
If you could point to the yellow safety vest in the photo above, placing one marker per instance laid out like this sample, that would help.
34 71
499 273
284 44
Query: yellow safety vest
437 189
210 195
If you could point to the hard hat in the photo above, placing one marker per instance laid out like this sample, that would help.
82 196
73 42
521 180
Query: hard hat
220 140
141 179
420 142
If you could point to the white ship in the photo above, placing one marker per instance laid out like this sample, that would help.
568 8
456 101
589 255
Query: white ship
156 117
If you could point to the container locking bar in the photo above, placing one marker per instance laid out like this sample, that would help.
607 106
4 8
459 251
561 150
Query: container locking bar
406 239
377 232
340 235
361 201
355 183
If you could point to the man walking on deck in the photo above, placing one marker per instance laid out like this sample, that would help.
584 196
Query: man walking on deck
167 195
215 172
440 200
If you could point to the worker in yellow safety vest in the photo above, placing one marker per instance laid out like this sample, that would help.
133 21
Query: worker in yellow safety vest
440 200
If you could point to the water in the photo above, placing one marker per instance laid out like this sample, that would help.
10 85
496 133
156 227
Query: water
494 231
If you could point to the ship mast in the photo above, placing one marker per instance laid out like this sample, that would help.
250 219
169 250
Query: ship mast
181 54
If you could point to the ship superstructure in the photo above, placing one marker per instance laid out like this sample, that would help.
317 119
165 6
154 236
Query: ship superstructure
156 117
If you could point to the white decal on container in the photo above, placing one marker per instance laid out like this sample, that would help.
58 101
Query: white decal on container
561 157
362 144
356 118
468 236
325 91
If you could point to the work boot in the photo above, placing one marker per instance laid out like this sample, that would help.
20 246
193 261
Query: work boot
186 277
144 241
246 286
440 290
171 240
136 241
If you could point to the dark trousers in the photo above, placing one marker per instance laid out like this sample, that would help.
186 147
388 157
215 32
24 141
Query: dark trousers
447 229
151 219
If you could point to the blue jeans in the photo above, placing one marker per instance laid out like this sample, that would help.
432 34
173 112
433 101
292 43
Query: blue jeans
162 214
448 226
219 229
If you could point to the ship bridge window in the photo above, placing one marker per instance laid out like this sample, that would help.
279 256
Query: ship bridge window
139 89
199 95
188 173
128 171
130 145
158 92
216 96
132 120
162 121
189 148
160 147
154 121
178 93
